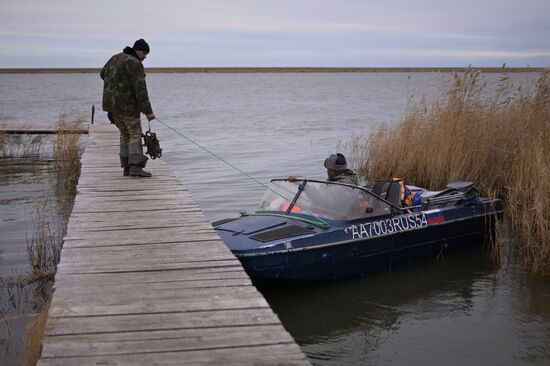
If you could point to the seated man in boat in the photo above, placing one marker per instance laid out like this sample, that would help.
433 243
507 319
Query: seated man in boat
337 170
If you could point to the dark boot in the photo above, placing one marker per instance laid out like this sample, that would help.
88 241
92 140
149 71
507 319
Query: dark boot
137 161
124 159
136 171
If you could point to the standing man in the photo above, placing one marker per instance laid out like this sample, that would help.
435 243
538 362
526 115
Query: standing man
124 98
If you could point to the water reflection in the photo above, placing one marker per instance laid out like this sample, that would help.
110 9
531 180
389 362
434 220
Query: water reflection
531 295
24 146
418 314
376 300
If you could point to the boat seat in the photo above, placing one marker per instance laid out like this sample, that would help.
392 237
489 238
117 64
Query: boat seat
390 191
393 195
380 187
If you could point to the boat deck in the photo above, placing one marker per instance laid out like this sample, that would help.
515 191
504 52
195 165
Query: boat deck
145 280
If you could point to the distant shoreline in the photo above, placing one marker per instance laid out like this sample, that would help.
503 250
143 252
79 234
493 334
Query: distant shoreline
233 70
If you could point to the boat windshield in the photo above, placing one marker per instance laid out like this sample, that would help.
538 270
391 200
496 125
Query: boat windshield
330 201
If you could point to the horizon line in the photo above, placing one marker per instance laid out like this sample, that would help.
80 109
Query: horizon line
273 69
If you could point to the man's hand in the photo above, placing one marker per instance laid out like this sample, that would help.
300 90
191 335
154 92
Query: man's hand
150 116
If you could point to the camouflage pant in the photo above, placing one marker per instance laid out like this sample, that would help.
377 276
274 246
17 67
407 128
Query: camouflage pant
129 127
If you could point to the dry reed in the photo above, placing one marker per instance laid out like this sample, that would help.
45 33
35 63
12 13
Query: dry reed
66 166
34 333
19 306
498 140
44 246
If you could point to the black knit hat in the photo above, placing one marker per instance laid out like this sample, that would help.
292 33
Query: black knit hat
141 45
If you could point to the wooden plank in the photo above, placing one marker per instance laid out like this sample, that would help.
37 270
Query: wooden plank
104 279
153 286
190 247
182 254
133 237
218 319
138 235
130 223
146 247
182 213
163 341
103 296
134 267
267 355
155 304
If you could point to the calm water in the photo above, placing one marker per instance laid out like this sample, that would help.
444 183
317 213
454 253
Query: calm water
457 311
25 186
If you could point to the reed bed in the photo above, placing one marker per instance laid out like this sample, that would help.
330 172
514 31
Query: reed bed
44 245
500 140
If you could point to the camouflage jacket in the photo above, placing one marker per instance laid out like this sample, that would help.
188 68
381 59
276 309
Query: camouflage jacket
347 176
124 87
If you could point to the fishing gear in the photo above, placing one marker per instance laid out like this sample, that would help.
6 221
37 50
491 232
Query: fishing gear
153 144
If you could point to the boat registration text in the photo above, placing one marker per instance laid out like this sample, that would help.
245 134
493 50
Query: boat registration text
387 226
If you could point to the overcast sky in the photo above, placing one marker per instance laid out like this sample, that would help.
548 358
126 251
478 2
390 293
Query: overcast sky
206 33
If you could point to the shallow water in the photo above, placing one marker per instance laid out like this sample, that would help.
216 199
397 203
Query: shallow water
459 310
25 189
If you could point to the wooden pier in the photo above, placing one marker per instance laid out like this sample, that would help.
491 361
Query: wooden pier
145 280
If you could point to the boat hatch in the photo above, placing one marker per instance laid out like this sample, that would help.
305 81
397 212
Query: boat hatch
251 225
282 233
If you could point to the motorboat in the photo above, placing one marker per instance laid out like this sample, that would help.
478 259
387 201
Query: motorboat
317 230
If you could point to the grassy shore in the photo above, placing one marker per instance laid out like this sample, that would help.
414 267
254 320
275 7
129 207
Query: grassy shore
500 141
272 70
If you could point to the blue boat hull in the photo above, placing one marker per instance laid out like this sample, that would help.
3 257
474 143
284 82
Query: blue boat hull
298 246
368 256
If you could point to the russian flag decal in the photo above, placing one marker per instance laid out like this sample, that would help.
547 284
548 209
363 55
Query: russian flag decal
434 217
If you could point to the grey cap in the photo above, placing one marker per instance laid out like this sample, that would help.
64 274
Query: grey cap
336 162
